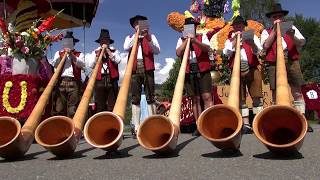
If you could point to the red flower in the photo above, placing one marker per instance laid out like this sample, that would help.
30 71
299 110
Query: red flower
46 24
3 26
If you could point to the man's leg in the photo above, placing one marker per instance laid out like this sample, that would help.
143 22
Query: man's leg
100 95
73 98
136 83
149 91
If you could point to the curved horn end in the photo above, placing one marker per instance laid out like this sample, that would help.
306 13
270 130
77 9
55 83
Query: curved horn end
104 130
281 128
158 134
12 143
58 135
221 125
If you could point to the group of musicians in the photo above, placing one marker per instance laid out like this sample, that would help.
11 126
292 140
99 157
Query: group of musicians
198 80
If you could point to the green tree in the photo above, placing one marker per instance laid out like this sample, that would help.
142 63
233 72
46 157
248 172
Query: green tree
256 9
169 85
310 52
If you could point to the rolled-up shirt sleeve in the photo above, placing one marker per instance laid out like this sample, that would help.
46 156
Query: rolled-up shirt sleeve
154 44
128 43
80 61
116 58
298 37
228 49
258 48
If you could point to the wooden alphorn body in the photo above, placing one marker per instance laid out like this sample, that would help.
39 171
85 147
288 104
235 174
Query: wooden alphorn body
104 130
60 134
16 141
221 124
281 128
159 133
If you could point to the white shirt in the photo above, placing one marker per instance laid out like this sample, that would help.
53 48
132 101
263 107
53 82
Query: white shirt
128 43
67 70
193 58
115 58
229 49
297 37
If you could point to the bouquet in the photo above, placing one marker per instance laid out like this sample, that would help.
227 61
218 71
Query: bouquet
31 43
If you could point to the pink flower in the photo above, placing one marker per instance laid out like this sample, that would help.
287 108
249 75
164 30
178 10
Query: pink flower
19 42
25 50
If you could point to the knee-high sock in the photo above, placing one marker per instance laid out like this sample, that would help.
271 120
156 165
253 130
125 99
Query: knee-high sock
135 119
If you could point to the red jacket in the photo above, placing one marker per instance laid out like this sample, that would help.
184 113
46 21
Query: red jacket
202 58
75 69
252 58
112 67
293 53
148 58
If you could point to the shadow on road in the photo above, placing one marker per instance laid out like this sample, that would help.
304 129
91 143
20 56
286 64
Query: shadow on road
123 153
76 155
30 156
270 155
175 153
223 154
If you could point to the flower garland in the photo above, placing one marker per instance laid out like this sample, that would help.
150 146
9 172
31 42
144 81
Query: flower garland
5 97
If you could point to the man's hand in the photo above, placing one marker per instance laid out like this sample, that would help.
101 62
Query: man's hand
291 32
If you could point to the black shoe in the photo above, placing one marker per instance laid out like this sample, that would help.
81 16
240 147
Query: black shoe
310 129
246 129
133 133
196 133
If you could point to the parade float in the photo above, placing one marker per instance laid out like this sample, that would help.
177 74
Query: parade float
23 67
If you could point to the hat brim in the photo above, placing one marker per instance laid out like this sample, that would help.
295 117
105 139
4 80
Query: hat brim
244 22
284 12
110 40
136 18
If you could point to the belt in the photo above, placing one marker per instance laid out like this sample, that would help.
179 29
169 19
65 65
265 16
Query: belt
68 78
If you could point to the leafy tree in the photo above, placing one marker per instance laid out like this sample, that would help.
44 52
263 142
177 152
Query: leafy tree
169 85
310 52
256 9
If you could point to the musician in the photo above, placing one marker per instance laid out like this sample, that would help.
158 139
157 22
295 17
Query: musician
69 84
291 42
106 86
143 69
198 78
250 74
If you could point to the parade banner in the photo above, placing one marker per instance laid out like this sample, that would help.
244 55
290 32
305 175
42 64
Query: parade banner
223 93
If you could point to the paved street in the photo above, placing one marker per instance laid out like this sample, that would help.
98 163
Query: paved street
196 158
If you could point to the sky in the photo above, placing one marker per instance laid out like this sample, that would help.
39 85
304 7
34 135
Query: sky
115 14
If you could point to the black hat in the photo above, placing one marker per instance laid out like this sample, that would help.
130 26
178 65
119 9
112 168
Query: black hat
137 18
69 34
105 34
190 20
276 8
239 19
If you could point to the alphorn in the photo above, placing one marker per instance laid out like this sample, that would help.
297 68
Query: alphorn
281 128
60 134
221 124
16 141
104 130
159 133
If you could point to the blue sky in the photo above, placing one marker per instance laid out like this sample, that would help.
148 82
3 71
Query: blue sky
115 14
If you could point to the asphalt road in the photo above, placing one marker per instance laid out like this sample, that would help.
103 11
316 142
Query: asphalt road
196 158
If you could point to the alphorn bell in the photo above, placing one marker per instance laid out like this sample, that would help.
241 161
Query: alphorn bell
60 134
221 124
281 127
104 130
14 140
159 133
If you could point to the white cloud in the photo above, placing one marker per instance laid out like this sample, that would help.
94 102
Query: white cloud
162 72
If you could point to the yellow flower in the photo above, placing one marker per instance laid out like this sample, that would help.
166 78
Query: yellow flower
5 97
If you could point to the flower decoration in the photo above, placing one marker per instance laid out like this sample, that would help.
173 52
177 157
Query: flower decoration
5 97
31 43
